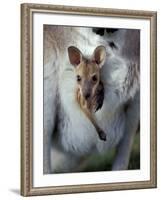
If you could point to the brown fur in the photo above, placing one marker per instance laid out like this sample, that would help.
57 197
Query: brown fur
88 79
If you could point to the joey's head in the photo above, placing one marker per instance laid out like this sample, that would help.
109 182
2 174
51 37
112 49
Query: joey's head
87 70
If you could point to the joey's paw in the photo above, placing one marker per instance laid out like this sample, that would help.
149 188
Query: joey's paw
102 135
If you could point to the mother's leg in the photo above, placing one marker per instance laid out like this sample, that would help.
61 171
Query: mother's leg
132 121
50 110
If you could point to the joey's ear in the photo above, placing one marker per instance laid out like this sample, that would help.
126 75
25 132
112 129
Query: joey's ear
99 55
75 55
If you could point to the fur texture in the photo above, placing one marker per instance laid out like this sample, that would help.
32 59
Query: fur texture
74 135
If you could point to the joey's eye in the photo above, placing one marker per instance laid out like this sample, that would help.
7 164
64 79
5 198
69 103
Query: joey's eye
94 78
78 78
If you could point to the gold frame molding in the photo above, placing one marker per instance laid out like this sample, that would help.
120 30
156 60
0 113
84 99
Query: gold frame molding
27 11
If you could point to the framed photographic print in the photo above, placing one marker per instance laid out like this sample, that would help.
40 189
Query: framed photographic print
88 99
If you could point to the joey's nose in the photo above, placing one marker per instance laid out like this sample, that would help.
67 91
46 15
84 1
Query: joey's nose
87 96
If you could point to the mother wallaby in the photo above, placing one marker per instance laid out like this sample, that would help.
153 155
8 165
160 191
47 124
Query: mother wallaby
73 134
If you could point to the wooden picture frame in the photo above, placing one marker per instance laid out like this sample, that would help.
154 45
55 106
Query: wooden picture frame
27 80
